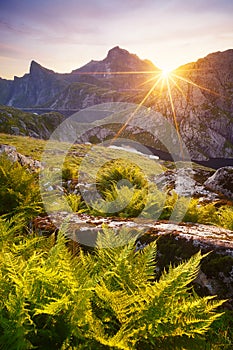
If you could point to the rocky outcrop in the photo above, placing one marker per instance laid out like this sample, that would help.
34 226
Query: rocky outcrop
202 236
14 156
222 182
187 182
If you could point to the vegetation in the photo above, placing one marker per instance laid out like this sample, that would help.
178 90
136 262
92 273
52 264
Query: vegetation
123 188
126 192
116 297
109 299
19 191
15 121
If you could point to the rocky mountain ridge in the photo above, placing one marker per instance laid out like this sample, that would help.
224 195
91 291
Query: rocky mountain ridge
199 95
41 86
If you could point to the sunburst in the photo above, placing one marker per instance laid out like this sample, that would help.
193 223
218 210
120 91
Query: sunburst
161 80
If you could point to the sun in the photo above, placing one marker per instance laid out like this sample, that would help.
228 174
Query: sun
165 72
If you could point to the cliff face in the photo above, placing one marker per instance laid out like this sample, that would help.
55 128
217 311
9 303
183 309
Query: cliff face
205 112
82 95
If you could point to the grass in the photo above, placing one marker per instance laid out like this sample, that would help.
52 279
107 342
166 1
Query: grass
34 149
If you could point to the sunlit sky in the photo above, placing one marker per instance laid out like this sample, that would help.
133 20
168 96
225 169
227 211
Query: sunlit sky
65 34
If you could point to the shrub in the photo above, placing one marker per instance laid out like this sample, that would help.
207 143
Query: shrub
123 188
115 171
209 214
75 202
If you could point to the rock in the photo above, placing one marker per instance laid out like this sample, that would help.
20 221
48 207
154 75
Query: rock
186 182
222 182
7 149
14 156
15 130
201 236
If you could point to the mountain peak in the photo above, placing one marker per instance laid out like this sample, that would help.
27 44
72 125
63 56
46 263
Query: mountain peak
36 68
117 51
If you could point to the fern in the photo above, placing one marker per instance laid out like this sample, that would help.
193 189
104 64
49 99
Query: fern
107 299
19 190
118 170
225 217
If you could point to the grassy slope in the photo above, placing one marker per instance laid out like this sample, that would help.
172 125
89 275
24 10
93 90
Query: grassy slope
35 148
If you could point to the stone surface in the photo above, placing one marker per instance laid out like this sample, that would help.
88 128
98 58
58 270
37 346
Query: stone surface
188 182
202 236
222 182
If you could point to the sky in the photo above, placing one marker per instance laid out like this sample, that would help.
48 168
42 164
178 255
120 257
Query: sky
63 35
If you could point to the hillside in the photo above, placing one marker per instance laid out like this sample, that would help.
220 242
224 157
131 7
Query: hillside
16 122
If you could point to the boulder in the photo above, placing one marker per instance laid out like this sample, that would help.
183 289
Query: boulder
221 182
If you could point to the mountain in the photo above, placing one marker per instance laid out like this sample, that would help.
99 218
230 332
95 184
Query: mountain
81 95
44 87
117 62
198 98
33 89
111 80
5 90
202 97
201 94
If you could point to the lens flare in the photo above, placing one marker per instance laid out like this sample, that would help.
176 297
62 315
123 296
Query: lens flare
165 72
